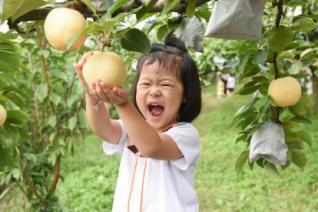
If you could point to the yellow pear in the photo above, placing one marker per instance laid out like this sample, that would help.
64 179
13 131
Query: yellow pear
285 91
106 66
3 115
61 24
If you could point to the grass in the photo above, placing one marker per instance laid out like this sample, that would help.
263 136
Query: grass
221 189
90 177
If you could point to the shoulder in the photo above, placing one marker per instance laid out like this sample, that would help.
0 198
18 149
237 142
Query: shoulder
187 139
184 129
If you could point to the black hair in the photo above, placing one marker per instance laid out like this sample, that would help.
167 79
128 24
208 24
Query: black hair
173 55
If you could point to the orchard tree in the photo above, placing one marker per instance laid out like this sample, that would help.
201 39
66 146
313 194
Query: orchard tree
43 102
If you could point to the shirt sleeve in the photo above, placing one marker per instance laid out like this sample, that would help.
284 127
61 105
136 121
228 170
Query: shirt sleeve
188 141
110 148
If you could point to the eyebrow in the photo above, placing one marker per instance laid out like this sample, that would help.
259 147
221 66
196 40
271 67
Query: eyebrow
162 79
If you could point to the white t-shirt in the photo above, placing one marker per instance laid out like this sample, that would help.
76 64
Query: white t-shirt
230 82
168 184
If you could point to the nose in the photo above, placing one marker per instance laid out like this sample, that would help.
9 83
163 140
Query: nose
155 91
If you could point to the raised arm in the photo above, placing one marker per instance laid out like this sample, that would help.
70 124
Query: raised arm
150 142
97 114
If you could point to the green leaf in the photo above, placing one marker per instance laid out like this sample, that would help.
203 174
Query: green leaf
190 8
90 5
162 32
169 5
15 174
56 99
10 7
243 63
299 158
18 115
286 116
295 68
260 79
204 13
41 92
71 123
260 56
16 98
241 161
304 136
242 137
264 109
302 120
292 145
248 89
52 121
174 23
272 169
279 38
299 109
105 5
13 132
289 54
309 53
303 24
27 6
135 40
246 107
294 3
249 121
10 61
117 5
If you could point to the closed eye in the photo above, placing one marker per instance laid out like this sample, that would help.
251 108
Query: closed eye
167 85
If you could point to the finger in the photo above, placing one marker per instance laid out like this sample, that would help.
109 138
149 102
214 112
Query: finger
99 91
84 58
114 98
120 92
78 70
102 93
79 73
93 91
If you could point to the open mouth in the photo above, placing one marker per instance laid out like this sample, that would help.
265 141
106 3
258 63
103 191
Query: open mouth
156 110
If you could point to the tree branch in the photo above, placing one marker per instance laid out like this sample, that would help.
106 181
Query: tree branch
40 14
276 70
180 8
56 174
279 12
6 191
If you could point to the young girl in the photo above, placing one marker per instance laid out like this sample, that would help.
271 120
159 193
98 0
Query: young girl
159 146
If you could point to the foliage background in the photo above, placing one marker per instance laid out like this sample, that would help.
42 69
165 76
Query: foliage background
46 120
90 176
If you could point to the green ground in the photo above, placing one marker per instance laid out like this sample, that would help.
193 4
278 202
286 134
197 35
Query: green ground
89 176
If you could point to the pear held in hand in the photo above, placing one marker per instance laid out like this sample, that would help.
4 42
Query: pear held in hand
106 66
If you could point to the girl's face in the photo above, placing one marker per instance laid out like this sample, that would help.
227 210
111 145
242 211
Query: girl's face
159 95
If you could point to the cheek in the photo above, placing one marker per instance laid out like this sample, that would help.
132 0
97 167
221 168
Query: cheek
175 98
139 99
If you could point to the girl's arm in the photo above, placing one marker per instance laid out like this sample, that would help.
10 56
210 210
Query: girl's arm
97 114
147 139
99 121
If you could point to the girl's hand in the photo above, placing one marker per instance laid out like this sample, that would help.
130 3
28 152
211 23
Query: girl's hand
79 70
115 95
